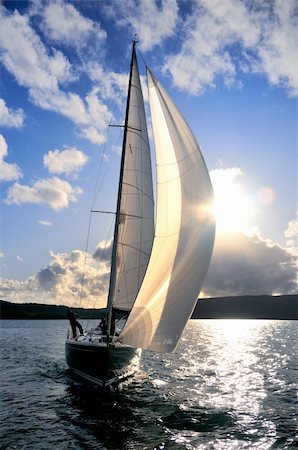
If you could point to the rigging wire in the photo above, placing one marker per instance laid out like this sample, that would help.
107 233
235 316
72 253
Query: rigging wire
97 273
85 260
142 58
98 186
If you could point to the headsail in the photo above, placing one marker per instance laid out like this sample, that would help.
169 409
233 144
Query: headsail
136 220
184 234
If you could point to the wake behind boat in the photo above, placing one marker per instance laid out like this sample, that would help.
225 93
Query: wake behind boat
157 269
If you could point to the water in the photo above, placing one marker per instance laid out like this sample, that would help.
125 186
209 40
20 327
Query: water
229 385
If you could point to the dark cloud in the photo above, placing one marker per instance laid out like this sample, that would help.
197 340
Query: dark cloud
240 265
249 265
49 277
103 251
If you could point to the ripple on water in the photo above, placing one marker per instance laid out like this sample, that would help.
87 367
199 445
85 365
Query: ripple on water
229 385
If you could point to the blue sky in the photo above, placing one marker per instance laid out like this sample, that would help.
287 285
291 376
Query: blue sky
231 67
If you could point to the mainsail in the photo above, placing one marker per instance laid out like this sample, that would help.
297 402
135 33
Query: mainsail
184 234
136 210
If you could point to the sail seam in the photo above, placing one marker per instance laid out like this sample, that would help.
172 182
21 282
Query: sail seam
142 172
135 248
138 189
140 136
137 87
180 174
195 151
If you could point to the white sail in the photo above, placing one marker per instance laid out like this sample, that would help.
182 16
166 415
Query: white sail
184 233
136 228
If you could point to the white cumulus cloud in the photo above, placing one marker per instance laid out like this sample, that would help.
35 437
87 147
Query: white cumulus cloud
10 118
65 161
25 56
62 22
45 73
265 32
109 84
292 229
154 20
53 192
291 233
8 171
99 115
61 282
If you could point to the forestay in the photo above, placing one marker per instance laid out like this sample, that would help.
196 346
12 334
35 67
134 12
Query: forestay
184 233
136 227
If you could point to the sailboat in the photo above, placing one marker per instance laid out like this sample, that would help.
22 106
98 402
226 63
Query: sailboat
158 264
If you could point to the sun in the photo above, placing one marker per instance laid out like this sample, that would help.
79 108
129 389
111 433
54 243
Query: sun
232 207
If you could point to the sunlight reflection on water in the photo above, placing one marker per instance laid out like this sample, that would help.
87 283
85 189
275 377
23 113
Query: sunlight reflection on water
231 368
230 384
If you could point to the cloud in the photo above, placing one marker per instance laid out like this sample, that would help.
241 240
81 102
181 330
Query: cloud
53 192
46 72
103 251
109 84
2 254
8 171
92 135
67 104
250 265
277 53
99 115
61 282
10 118
292 230
45 223
291 233
265 32
62 21
110 87
154 20
244 262
19 258
49 277
243 265
91 114
24 55
65 161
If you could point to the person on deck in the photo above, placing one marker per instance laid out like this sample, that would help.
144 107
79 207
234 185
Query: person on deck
72 317
103 326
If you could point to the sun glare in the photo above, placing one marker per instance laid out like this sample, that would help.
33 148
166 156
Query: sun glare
232 208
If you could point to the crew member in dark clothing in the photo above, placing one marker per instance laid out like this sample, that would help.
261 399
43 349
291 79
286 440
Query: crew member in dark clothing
103 326
74 323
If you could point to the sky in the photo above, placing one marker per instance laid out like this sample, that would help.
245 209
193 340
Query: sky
229 65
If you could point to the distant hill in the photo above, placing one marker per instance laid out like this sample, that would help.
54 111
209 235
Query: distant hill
245 307
248 307
37 311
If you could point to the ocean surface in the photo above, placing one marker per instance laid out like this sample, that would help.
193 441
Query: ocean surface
229 385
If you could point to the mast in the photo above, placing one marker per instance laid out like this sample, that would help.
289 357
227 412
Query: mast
117 220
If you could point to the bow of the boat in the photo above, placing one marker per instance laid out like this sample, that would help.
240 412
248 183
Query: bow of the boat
102 363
